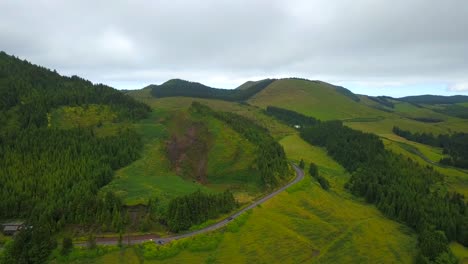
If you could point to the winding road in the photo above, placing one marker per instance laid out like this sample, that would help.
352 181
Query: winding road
162 240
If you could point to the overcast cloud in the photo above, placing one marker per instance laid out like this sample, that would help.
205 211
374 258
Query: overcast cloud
398 47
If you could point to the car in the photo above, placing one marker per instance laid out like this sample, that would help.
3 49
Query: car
160 242
230 218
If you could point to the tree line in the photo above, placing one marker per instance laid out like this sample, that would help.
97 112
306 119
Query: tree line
454 145
196 208
177 87
314 172
399 187
271 160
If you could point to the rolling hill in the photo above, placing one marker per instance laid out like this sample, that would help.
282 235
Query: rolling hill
122 157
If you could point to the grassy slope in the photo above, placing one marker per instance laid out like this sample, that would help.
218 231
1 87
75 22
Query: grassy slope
303 225
229 165
229 162
311 98
278 130
322 101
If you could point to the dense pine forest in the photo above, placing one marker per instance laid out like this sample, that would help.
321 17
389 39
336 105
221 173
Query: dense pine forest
51 177
271 159
196 208
402 189
454 145
178 87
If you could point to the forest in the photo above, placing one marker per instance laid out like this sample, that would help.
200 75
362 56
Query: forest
51 177
454 145
402 189
271 160
289 117
177 87
196 208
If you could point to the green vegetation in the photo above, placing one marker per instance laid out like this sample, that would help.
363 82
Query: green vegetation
455 145
376 170
196 208
93 115
51 177
434 99
184 165
271 160
178 87
454 110
312 98
229 165
305 224
170 104
313 171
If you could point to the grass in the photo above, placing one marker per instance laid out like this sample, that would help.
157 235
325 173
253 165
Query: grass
82 116
302 225
276 129
232 158
412 111
230 161
151 175
460 252
3 240
315 99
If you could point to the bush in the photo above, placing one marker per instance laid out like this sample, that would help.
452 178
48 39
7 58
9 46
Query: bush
67 246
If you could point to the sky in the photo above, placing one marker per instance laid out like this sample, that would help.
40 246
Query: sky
374 47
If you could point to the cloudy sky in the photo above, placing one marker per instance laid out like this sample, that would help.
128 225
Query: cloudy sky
398 47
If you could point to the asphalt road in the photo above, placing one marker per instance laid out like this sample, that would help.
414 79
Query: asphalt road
159 240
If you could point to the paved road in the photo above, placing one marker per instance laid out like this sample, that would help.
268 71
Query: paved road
146 238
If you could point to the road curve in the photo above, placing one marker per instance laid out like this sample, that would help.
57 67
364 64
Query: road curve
224 222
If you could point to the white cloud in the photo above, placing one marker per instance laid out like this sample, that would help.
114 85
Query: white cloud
459 87
373 42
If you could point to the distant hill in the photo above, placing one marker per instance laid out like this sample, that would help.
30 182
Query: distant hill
435 99
247 85
178 87
456 105
314 98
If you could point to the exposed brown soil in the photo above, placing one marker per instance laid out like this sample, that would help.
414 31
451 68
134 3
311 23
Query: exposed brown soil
188 152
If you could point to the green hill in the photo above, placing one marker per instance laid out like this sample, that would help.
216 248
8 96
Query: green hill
177 87
51 174
314 98
434 99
